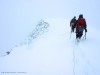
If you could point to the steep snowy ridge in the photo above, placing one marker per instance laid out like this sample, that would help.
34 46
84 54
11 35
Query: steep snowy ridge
55 53
40 29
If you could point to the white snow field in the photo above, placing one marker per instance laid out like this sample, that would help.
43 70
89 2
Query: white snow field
55 52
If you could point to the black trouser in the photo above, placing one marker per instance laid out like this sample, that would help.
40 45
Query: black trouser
79 35
72 28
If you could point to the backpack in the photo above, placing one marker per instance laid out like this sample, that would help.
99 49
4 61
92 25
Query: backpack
73 22
81 22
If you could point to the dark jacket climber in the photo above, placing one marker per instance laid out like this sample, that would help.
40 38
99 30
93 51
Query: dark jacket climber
73 24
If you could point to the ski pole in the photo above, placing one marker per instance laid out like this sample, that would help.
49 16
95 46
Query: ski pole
85 35
70 32
70 35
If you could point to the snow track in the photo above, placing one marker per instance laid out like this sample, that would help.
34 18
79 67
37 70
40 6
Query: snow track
80 60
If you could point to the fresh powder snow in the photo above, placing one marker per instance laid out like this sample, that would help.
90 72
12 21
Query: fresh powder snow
55 52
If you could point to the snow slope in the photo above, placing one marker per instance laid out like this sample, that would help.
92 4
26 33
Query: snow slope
55 53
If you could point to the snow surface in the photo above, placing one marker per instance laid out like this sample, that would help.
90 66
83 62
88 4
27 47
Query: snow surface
55 53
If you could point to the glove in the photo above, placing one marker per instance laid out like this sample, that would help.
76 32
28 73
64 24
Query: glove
85 30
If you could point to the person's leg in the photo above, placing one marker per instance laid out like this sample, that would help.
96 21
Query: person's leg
77 35
72 28
80 35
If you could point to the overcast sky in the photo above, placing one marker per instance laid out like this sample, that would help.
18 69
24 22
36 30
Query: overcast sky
26 10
